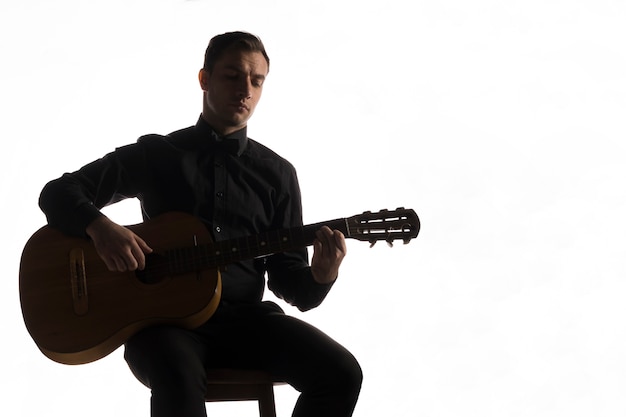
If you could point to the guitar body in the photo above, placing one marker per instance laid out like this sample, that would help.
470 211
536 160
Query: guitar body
77 311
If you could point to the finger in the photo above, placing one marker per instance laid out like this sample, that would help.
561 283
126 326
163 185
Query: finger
139 257
110 264
142 249
130 262
324 235
119 264
143 245
317 247
340 241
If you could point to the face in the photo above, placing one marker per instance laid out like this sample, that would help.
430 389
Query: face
233 89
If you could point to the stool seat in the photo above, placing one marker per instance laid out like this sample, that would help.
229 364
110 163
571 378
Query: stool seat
243 385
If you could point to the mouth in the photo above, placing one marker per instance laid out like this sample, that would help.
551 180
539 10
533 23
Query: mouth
240 107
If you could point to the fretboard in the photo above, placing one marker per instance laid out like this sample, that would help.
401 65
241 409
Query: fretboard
218 254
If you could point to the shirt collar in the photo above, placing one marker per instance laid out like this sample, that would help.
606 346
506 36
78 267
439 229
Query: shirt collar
235 143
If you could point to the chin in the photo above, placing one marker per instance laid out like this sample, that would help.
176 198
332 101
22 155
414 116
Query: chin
239 120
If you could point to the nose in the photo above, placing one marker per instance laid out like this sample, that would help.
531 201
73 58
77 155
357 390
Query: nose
245 88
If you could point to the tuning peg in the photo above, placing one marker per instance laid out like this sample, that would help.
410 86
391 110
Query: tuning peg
372 243
406 241
390 242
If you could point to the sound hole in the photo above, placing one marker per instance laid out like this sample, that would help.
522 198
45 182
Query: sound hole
157 268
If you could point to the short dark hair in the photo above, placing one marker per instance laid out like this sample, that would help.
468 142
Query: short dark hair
232 40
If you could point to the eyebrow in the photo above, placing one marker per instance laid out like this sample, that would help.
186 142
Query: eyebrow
239 69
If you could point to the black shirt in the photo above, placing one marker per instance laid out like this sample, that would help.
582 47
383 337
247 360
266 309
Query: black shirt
235 185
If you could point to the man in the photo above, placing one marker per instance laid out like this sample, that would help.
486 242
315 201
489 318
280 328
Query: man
237 187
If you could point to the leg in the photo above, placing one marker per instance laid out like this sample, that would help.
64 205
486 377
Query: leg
170 361
327 375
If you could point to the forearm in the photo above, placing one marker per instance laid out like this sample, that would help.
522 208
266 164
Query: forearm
67 205
296 285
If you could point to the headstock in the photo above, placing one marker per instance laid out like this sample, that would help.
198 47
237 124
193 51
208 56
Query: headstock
388 225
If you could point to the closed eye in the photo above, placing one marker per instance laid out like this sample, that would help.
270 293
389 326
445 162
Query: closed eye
258 81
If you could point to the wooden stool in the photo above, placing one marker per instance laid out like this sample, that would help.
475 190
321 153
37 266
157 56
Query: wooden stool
242 385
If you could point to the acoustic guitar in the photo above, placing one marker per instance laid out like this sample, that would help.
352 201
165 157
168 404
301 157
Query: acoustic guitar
77 311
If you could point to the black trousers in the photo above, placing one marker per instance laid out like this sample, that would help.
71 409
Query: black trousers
171 361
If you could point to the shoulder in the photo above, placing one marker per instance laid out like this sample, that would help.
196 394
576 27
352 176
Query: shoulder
182 138
259 151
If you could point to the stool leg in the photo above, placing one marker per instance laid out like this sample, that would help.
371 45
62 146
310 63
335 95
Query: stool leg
267 406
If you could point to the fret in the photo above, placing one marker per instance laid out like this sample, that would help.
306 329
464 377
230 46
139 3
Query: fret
221 253
248 248
371 227
272 240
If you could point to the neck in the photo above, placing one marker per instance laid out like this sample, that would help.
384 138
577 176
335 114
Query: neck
220 128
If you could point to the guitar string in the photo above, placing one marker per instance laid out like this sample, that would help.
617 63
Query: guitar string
191 262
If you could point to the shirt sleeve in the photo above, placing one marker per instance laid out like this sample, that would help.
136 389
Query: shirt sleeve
289 273
74 200
295 285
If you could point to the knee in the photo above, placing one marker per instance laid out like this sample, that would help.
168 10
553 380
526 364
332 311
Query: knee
164 357
348 376
354 375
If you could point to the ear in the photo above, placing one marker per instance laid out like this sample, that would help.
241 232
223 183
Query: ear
203 77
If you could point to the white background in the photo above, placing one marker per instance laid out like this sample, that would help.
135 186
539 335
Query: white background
500 122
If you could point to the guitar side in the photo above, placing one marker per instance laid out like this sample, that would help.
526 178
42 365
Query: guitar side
77 311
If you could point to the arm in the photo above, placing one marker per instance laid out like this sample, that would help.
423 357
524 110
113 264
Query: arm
292 279
289 275
74 200
72 204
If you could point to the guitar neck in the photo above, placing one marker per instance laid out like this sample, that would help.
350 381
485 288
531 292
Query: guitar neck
400 224
218 254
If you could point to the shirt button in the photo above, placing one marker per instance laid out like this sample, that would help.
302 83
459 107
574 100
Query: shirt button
218 229
220 194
